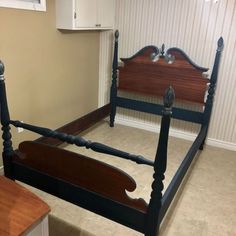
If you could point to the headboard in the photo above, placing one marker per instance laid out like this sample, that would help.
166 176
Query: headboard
150 72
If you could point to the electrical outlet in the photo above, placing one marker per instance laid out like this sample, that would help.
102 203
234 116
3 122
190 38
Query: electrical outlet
19 129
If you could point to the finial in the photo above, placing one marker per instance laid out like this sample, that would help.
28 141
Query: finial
2 68
220 44
169 97
116 35
162 50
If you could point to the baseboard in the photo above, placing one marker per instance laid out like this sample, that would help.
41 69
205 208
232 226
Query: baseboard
154 128
173 132
221 144
1 170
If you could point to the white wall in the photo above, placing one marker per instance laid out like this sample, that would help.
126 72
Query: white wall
194 26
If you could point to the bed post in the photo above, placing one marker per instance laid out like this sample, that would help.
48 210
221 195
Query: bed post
152 224
113 91
5 119
212 87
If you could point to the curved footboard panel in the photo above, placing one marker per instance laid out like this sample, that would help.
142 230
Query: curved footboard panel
82 171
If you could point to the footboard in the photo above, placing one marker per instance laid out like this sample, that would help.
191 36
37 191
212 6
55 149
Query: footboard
90 174
83 181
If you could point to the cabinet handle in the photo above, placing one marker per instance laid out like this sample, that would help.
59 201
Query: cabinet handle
98 25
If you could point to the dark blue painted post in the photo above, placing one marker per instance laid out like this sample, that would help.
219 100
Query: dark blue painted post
5 119
212 87
152 226
113 91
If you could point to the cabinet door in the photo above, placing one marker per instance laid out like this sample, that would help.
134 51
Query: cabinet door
105 13
86 13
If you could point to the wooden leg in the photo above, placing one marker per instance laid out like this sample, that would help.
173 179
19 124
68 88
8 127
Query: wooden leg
154 233
202 144
112 116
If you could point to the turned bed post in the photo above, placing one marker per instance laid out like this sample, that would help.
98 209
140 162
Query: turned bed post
5 119
152 224
113 91
212 87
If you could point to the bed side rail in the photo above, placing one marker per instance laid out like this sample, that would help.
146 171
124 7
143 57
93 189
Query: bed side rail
79 125
180 173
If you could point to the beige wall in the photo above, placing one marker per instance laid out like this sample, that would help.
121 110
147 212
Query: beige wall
51 76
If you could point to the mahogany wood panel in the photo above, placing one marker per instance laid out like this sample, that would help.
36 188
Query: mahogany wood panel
19 208
79 125
80 170
142 75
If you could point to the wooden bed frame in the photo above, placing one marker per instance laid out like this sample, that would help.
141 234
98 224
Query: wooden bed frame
95 185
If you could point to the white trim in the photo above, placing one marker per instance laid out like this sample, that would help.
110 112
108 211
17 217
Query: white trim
173 132
221 144
153 128
1 170
24 5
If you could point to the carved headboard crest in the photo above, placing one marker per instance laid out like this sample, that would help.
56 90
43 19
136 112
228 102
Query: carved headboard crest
151 70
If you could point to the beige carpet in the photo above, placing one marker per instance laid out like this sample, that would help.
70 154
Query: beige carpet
204 206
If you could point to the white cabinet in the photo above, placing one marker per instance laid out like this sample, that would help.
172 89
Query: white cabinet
85 14
106 13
